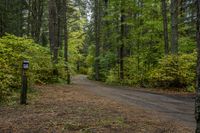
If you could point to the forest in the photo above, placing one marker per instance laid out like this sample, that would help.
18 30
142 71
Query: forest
136 43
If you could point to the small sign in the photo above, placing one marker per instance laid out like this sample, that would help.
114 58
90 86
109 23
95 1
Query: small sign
25 64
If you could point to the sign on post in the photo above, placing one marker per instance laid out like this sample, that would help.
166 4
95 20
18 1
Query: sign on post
25 66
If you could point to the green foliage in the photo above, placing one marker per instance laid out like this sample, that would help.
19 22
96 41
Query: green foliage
174 71
11 17
170 71
145 63
113 77
134 74
13 50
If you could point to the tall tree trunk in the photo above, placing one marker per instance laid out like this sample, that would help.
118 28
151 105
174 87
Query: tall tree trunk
60 7
37 9
66 41
97 39
21 21
53 30
165 26
121 57
29 18
197 101
174 26
106 3
106 24
1 24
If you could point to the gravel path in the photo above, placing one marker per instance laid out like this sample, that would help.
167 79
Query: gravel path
172 107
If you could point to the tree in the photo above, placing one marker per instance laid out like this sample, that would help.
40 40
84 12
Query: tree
121 52
174 26
105 26
36 9
53 30
12 17
97 38
197 101
165 26
66 41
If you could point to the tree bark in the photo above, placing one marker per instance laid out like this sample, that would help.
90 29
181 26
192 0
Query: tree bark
1 24
53 30
106 44
60 11
66 41
174 26
29 18
165 26
121 57
37 9
197 101
97 39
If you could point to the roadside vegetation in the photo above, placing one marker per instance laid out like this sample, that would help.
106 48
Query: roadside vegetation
13 50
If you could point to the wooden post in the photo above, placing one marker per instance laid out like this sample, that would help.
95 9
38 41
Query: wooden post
23 98
24 87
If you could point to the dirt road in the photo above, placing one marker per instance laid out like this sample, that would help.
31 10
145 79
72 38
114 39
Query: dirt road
88 106
172 107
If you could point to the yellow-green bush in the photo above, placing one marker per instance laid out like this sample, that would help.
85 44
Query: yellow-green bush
170 71
174 71
113 76
133 74
13 50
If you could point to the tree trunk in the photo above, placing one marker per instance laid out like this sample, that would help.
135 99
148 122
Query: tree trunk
174 26
66 41
29 18
53 30
106 44
121 57
97 39
21 21
37 9
165 26
1 24
60 12
197 101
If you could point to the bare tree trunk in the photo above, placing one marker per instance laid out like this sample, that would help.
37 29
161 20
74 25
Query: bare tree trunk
1 24
165 26
174 26
121 57
197 101
37 9
66 41
106 24
97 39
60 6
29 18
53 31
21 22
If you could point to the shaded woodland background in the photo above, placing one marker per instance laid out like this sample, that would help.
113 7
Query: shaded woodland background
147 43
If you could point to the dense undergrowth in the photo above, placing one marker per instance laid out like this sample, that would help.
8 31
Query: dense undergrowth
13 50
172 71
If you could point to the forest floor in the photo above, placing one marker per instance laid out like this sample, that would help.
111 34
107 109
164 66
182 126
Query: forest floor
87 106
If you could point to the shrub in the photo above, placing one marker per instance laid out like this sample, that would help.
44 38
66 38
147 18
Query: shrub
170 71
113 77
13 50
133 75
174 71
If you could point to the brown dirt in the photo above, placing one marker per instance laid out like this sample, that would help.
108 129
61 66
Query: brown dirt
174 107
61 108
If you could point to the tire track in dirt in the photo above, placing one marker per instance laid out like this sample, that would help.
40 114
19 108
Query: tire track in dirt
175 108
